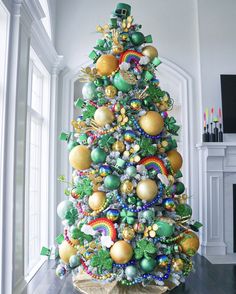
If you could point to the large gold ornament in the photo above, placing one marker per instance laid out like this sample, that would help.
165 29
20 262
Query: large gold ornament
121 252
103 116
177 264
107 64
118 146
110 91
128 233
152 123
97 200
66 250
80 157
175 159
150 52
146 189
189 243
126 187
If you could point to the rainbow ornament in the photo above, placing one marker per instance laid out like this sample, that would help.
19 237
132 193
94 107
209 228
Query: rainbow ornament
104 226
153 162
130 56
129 136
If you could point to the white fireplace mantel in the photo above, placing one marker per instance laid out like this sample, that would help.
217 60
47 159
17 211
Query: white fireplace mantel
217 174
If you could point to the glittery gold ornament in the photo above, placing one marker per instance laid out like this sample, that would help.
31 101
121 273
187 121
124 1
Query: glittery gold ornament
80 157
126 187
128 233
177 264
97 200
118 146
110 91
117 48
121 252
66 250
150 52
175 159
146 189
107 64
103 116
152 123
189 243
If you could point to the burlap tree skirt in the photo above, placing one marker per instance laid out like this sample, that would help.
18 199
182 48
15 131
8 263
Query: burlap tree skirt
85 284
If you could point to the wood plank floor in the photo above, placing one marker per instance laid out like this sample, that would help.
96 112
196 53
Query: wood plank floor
208 279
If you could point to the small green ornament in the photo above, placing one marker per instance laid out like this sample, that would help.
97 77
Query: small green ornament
131 171
183 210
71 145
89 91
112 182
74 261
82 139
165 227
148 265
179 188
137 38
131 272
98 82
98 155
121 84
63 208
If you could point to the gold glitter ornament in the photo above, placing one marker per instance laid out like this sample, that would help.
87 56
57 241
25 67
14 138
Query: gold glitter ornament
177 264
126 187
146 189
121 252
103 115
110 91
128 233
118 146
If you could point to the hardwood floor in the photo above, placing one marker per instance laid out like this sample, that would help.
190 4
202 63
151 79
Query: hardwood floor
208 279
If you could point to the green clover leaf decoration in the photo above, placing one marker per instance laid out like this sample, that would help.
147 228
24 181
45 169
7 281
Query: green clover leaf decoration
89 111
84 187
146 147
128 216
71 216
106 140
102 260
144 249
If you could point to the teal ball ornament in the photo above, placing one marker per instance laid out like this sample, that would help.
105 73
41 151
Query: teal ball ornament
169 204
148 215
137 38
131 171
71 145
63 207
148 265
179 188
129 136
164 227
113 214
105 170
183 210
162 260
112 182
89 91
74 261
131 272
98 155
120 83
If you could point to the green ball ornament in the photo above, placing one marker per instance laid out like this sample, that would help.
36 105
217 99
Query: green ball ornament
98 82
148 215
148 265
74 261
63 207
179 188
121 84
71 145
131 171
183 210
165 227
137 38
89 91
112 182
98 155
131 272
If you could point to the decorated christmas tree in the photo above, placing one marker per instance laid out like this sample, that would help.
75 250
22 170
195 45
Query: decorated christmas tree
126 216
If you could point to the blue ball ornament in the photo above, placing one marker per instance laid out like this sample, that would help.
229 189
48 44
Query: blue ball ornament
129 136
113 214
105 170
162 260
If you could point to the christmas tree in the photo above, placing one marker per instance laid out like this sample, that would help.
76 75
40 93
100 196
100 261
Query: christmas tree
125 216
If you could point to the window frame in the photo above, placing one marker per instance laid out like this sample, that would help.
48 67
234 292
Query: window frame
36 64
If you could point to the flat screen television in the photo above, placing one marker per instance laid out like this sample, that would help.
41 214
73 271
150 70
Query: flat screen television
228 96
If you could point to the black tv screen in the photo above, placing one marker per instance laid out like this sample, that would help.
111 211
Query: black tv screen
228 96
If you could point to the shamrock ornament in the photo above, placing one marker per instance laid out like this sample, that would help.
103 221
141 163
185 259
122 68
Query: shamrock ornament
146 147
71 216
144 249
89 111
171 126
78 233
84 187
102 261
106 141
128 216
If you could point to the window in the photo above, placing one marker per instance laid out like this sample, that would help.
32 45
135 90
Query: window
37 161
46 20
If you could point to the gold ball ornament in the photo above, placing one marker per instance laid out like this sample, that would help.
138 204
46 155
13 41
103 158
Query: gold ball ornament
146 189
66 250
189 243
150 52
97 200
110 91
175 159
152 123
128 233
177 264
118 146
121 252
107 64
80 157
103 116
126 187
